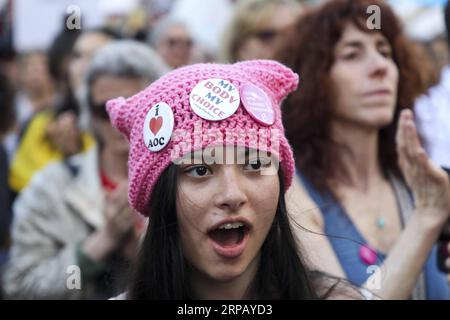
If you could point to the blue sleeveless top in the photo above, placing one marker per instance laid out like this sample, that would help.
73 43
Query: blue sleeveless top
346 241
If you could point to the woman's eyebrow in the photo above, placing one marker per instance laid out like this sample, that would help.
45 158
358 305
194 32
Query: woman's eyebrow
357 44
352 43
190 158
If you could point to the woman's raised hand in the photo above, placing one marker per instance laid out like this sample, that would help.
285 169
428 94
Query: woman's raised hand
429 183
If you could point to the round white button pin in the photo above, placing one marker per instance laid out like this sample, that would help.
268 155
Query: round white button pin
214 99
158 126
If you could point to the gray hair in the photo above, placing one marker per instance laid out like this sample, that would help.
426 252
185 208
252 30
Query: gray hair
161 27
126 58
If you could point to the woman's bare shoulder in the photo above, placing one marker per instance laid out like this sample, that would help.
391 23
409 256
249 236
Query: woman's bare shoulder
301 207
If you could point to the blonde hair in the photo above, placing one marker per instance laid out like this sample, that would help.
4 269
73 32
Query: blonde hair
249 16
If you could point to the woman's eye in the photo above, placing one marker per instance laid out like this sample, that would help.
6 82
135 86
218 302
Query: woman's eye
349 56
256 165
386 53
199 171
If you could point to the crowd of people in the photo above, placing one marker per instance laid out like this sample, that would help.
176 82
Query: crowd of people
309 158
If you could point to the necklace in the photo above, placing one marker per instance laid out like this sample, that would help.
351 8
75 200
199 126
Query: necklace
367 253
381 223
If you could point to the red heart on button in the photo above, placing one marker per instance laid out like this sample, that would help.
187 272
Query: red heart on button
156 124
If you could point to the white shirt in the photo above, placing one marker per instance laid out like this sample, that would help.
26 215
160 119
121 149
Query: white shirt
433 120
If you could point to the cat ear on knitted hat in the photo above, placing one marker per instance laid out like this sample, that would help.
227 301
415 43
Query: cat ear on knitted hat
279 79
120 115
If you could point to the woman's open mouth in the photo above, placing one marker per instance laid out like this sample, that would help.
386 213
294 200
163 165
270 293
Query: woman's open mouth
229 239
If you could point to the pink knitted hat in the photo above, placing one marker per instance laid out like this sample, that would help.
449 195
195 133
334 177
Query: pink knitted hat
238 120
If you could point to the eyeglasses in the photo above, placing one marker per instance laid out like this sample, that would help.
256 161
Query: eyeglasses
99 111
179 42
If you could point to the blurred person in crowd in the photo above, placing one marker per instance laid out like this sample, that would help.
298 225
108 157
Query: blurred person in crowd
8 70
205 23
8 84
172 40
428 67
35 92
61 131
6 123
74 213
260 29
36 87
360 163
438 50
84 49
59 55
218 226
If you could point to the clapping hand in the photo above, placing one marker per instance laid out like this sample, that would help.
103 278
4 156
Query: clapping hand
429 183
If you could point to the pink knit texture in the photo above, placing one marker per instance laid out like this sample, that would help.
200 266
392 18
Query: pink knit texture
128 115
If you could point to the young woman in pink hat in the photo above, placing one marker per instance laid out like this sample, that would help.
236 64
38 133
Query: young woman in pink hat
209 164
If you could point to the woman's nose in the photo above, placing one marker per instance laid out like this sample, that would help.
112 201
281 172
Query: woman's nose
231 193
378 65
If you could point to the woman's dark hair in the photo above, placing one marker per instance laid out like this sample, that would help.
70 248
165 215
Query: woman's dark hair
60 51
162 272
307 113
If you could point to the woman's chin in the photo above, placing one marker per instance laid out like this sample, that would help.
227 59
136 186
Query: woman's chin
382 120
377 119
376 124
226 273
225 276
